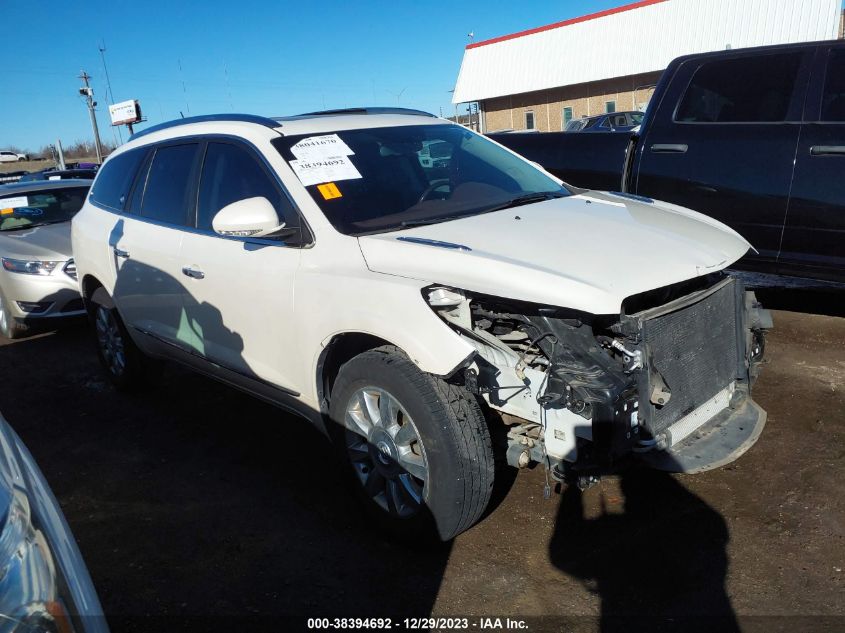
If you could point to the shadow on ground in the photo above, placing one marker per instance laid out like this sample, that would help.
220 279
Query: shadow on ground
656 554
194 499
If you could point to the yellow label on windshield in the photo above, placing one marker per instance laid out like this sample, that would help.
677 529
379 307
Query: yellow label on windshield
329 191
6 211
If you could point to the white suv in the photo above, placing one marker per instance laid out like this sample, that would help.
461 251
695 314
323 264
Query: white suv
432 318
12 157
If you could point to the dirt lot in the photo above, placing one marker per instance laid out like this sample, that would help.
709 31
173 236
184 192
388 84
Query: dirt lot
26 165
198 508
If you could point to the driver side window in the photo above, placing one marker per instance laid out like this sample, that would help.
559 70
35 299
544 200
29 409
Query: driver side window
229 174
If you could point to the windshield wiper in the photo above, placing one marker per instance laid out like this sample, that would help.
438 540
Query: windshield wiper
527 198
424 221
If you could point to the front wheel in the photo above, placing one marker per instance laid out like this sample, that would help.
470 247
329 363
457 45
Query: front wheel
418 447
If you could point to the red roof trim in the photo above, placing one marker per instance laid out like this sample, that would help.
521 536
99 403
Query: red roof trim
583 18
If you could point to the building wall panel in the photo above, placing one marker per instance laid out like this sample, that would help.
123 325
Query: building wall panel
640 40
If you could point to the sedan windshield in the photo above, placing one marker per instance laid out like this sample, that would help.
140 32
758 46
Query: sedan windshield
383 179
35 208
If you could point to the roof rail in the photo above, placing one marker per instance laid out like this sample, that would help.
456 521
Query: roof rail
247 118
371 110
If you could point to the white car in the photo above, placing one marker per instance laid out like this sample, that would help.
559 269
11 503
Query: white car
429 320
12 157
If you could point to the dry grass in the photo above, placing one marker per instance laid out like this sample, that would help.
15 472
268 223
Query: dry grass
38 165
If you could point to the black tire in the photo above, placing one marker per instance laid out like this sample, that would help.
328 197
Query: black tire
454 446
10 327
113 342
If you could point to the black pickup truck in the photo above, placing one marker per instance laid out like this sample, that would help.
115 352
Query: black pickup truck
752 137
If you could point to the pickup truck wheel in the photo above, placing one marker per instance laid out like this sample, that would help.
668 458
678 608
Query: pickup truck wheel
122 360
418 447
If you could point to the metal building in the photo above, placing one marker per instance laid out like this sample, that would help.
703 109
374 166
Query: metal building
611 60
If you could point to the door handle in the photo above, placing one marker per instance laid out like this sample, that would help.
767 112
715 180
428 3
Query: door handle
119 252
193 273
670 148
827 150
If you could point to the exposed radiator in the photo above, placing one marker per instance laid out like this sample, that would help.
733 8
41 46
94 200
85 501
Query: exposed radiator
695 350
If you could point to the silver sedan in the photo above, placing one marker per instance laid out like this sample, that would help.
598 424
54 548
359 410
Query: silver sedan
38 285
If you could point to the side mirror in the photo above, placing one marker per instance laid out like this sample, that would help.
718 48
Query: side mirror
250 217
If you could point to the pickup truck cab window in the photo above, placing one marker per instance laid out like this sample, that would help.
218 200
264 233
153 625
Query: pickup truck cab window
741 90
169 183
833 99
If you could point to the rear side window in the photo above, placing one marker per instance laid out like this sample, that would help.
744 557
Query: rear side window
166 197
115 178
229 174
833 100
741 90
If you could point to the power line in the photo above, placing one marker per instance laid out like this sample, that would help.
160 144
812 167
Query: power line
102 49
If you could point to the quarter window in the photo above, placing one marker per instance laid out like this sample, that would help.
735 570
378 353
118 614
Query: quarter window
741 90
115 178
833 101
229 174
166 197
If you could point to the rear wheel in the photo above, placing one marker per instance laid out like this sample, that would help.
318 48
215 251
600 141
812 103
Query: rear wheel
123 361
418 447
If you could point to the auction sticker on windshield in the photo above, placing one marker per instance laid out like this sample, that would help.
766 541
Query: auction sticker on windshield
321 147
329 191
332 169
14 203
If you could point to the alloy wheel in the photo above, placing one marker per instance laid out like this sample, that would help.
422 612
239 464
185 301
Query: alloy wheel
386 451
110 340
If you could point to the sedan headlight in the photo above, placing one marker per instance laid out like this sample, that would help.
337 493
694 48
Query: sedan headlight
29 267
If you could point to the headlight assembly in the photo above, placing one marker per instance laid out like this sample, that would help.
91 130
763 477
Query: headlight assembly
29 267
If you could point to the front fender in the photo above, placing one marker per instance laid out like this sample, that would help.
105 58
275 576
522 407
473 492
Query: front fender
396 312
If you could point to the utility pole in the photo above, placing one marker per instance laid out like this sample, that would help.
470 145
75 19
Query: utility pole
88 93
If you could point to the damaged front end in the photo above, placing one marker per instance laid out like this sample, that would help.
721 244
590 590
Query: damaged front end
668 378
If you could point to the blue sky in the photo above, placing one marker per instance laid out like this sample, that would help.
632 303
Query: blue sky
261 57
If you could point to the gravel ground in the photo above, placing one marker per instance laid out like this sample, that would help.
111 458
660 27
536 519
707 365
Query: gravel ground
198 508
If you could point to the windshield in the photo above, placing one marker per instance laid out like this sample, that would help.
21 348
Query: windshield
636 118
26 210
383 179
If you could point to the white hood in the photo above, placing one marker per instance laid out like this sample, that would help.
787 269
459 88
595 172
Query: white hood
587 252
